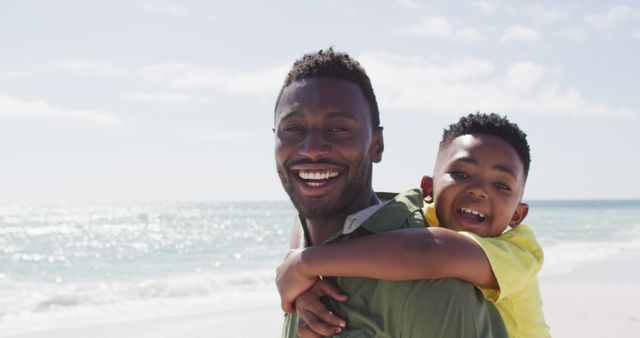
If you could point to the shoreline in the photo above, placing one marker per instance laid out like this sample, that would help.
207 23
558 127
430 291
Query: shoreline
595 299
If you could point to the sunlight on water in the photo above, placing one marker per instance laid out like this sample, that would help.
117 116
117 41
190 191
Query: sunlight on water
103 262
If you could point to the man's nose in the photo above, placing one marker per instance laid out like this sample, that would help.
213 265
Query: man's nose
315 145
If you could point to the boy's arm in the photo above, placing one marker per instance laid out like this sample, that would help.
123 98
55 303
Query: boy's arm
406 254
297 237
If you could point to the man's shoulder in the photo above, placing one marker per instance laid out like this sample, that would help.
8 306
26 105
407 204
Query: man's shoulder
400 211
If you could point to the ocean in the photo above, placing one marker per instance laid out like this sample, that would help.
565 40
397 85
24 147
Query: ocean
64 266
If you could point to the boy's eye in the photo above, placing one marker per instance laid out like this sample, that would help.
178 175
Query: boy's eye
501 186
459 174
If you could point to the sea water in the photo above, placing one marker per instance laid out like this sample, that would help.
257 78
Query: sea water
72 265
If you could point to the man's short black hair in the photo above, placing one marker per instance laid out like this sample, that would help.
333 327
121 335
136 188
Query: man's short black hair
337 65
494 125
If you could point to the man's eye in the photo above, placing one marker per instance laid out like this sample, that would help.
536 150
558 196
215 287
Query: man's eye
338 129
459 174
294 129
501 186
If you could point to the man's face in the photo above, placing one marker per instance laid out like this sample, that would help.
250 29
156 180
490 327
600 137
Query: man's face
478 183
324 145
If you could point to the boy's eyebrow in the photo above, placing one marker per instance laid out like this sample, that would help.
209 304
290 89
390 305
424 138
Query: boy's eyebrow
505 170
467 159
502 168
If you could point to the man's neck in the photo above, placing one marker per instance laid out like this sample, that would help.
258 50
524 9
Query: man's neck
321 229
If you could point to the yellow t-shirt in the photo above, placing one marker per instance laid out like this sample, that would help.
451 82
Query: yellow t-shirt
515 257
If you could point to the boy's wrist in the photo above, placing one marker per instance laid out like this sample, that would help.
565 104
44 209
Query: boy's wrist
304 263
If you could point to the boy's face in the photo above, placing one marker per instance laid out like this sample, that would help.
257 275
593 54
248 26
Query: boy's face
478 184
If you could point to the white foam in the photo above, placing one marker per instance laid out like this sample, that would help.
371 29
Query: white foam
64 306
564 256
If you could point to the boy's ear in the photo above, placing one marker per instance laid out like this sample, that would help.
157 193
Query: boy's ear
427 186
518 216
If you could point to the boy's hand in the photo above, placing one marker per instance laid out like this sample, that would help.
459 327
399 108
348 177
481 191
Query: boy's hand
290 280
314 319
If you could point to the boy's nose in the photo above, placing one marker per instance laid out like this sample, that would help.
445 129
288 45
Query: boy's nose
314 145
477 190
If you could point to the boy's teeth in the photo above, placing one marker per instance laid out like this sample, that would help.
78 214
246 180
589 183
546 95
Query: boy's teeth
317 175
471 211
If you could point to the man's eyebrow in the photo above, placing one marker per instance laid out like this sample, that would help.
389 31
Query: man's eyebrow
331 115
341 114
292 113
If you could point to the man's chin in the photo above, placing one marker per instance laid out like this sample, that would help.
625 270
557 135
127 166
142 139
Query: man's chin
313 208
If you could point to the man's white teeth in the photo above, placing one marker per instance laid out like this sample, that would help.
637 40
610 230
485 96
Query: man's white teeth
318 175
471 211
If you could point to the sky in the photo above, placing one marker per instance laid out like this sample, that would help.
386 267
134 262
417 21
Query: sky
107 101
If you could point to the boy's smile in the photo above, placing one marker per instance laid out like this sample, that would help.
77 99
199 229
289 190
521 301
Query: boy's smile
478 184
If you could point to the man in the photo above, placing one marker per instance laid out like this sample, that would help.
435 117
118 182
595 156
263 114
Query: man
327 136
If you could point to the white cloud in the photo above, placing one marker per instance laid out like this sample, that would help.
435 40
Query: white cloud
576 34
163 7
520 33
87 67
163 98
408 3
10 106
440 27
521 77
221 136
488 6
614 15
543 15
190 77
11 75
464 84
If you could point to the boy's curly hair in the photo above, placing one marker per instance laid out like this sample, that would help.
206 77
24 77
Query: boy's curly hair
494 125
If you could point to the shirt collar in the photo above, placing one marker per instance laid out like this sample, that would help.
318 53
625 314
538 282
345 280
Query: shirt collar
354 221
429 212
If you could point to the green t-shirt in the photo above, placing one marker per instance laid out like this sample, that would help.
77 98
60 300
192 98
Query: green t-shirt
426 308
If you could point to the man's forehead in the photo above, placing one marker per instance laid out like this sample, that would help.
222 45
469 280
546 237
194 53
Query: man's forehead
310 88
321 95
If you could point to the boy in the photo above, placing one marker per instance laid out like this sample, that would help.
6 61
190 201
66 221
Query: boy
478 183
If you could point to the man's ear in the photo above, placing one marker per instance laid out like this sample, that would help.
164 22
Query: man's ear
377 146
518 216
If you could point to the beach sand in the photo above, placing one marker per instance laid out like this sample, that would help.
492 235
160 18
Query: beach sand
598 299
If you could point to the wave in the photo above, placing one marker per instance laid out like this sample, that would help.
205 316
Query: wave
71 305
563 256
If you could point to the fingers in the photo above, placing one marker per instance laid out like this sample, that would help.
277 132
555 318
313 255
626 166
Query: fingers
287 307
313 311
308 321
304 331
331 290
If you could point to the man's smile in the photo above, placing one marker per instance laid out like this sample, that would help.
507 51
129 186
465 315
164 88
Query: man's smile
315 179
